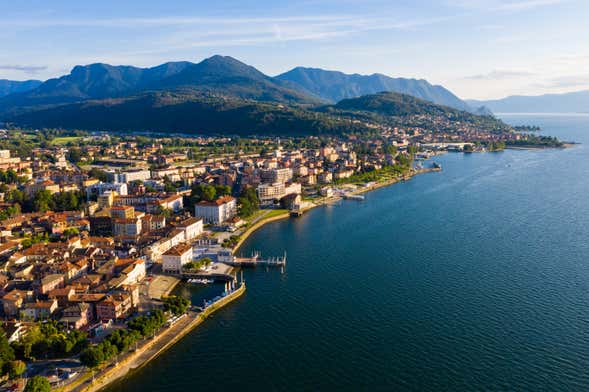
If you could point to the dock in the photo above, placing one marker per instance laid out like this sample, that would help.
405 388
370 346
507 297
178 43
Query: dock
256 260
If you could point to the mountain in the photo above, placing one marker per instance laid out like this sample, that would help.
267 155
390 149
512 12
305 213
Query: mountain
396 109
187 111
334 86
11 86
219 75
575 102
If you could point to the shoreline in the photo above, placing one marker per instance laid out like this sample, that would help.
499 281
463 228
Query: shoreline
151 350
327 200
172 335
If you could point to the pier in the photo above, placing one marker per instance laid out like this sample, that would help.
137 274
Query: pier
256 260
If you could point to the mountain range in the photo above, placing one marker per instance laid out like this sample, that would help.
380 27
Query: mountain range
221 75
221 94
575 102
333 86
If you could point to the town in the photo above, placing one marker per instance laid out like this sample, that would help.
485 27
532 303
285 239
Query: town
97 229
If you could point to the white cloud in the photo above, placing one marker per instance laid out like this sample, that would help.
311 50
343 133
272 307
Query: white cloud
500 75
28 69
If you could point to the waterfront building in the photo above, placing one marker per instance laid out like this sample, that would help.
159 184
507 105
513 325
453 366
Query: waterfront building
218 211
176 257
267 193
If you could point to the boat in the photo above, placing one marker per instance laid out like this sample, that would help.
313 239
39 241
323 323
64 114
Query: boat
354 197
436 165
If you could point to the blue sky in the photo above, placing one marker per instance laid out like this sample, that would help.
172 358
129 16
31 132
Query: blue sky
476 48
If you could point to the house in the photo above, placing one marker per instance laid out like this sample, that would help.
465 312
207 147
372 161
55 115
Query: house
50 282
40 310
176 257
122 212
127 226
63 296
218 211
77 315
114 306
174 203
133 269
13 301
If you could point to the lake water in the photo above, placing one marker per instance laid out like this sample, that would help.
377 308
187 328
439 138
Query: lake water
475 278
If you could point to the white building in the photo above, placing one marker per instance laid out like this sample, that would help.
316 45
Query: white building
102 187
173 202
218 211
192 227
269 192
176 257
130 176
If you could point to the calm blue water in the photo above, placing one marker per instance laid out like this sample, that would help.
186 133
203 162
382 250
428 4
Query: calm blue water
476 278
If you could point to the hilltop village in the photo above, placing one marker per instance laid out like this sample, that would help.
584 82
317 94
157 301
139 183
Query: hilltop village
96 229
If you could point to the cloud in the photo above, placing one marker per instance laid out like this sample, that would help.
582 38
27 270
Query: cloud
499 75
526 5
502 5
566 82
29 69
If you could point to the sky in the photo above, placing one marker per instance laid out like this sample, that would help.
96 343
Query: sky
479 49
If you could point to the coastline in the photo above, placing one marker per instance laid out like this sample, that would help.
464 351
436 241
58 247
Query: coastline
152 349
136 360
326 200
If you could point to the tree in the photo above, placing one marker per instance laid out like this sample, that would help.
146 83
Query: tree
75 155
248 202
209 193
38 384
176 304
98 174
43 202
92 356
16 369
6 352
71 232
390 149
165 212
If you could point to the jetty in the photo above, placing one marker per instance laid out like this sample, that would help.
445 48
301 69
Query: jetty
256 260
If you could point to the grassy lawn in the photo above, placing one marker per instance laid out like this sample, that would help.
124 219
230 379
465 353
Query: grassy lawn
60 141
274 213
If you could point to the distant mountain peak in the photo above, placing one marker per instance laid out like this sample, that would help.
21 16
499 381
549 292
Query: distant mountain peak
573 102
335 86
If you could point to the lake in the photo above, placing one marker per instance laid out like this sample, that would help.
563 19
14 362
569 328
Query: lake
475 278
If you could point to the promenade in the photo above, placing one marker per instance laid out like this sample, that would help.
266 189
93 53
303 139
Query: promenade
149 348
